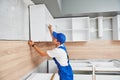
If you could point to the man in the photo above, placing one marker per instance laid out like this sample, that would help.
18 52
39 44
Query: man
59 54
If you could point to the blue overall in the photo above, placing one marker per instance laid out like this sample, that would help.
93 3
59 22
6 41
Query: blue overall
65 72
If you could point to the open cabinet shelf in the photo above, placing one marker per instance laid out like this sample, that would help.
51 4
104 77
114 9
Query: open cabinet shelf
77 28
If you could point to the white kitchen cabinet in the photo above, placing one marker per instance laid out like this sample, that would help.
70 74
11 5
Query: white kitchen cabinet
64 25
75 29
85 28
40 18
101 28
80 29
91 69
116 27
42 68
77 65
52 67
13 20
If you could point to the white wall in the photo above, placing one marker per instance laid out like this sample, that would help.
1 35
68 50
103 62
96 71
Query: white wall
13 20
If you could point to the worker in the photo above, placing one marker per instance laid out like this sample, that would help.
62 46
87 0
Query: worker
59 54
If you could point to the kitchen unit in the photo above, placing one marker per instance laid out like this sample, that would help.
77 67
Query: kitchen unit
85 28
101 28
75 29
86 65
92 42
40 18
102 69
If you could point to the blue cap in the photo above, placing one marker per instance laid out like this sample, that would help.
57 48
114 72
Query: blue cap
59 36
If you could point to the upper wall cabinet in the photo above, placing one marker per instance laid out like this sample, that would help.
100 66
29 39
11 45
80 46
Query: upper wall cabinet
75 29
40 18
13 20
101 28
80 29
64 25
116 27
85 28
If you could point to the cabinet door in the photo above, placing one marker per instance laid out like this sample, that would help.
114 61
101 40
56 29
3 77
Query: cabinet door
37 22
116 27
48 20
40 18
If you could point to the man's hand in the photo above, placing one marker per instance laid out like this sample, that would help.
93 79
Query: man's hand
50 27
30 42
42 53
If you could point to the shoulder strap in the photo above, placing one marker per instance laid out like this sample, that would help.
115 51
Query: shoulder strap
64 48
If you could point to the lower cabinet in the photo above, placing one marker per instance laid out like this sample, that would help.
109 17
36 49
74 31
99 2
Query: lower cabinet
42 68
78 66
52 67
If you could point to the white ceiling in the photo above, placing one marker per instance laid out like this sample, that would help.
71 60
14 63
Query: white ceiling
71 8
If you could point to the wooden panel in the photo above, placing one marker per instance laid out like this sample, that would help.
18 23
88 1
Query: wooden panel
17 59
95 50
98 49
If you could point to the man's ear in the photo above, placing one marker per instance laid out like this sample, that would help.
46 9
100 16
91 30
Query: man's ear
58 43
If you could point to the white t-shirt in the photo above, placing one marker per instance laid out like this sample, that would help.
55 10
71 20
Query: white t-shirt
59 54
